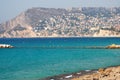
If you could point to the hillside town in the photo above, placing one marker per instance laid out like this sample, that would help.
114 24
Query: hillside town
71 22
76 23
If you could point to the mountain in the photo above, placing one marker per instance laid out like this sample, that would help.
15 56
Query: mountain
72 22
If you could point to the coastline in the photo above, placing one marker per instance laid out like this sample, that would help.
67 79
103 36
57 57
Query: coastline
108 73
63 37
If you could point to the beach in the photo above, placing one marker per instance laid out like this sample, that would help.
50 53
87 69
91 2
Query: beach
109 73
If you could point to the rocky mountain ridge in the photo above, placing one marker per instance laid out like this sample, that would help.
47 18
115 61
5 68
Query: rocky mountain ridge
72 22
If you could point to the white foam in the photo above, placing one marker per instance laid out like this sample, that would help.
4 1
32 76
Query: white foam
79 73
68 76
87 70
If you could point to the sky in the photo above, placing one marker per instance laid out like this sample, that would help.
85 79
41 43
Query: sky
11 8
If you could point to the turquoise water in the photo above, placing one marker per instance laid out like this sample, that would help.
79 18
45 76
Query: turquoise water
33 58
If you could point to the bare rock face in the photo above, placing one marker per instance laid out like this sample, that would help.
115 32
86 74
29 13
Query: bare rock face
73 22
16 27
112 73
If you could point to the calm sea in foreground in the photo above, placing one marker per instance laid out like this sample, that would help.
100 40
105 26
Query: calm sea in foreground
36 58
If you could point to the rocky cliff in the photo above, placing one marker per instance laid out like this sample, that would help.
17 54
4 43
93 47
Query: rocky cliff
51 22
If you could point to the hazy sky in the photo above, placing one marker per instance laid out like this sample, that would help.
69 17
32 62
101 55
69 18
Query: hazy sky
11 8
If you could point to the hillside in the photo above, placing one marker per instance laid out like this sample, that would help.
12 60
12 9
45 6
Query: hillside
72 22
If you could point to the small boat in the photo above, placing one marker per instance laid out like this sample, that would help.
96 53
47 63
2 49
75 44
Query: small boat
5 46
113 46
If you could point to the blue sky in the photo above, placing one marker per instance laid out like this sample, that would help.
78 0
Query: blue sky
11 8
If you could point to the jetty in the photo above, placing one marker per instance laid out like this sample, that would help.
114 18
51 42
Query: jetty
113 46
5 46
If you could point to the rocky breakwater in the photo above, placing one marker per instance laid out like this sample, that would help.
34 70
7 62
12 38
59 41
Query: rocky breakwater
111 73
113 46
5 46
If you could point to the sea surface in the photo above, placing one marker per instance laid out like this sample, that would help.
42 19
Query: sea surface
36 58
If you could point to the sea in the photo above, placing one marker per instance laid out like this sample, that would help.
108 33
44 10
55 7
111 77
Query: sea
37 58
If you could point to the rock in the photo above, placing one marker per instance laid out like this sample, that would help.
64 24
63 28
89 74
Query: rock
5 46
95 76
111 73
113 46
88 77
101 71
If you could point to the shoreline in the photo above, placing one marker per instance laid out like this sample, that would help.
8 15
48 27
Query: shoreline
60 37
82 73
70 75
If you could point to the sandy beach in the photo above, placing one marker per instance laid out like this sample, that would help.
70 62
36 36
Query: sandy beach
110 73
